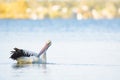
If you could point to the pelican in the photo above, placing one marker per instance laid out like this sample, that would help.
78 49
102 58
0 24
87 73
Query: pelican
27 57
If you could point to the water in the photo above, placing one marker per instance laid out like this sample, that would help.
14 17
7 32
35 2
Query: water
81 50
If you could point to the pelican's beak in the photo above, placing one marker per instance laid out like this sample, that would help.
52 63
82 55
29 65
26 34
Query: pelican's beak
49 43
44 49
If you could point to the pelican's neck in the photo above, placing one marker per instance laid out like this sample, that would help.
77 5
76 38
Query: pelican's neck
43 57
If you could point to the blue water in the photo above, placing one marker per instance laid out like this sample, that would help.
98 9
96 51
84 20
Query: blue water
81 49
60 25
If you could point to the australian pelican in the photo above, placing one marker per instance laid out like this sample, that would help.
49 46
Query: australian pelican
26 57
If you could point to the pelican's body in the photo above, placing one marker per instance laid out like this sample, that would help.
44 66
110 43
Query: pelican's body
27 57
29 60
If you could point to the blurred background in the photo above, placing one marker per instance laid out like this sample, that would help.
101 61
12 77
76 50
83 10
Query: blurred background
41 9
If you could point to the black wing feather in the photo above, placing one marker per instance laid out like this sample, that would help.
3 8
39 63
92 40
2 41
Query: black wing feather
20 53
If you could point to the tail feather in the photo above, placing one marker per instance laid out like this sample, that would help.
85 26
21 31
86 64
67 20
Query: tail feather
16 54
21 53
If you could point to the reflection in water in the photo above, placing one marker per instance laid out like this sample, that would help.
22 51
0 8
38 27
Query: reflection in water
17 66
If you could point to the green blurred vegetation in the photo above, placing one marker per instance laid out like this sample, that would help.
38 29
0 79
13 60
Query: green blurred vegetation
40 9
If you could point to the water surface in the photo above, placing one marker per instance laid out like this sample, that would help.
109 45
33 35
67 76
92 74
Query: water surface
81 50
